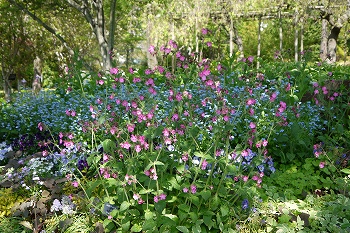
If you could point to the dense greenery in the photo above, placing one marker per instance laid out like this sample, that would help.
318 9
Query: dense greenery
211 147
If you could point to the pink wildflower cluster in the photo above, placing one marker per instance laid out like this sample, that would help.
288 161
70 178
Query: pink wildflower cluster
130 179
152 173
318 151
318 90
192 189
138 198
106 173
70 112
160 197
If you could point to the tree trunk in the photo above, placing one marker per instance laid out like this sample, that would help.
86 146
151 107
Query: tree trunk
324 39
302 34
38 78
151 58
296 36
239 42
332 44
259 43
280 30
231 36
6 84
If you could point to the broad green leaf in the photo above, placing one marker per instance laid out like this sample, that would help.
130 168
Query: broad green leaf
206 194
224 210
182 229
202 155
194 199
346 171
184 207
196 229
144 191
148 214
149 225
126 226
173 182
158 163
136 228
124 206
108 146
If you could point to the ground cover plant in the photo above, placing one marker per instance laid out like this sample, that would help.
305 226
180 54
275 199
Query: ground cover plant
205 146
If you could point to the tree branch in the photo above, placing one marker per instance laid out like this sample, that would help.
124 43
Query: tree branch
47 27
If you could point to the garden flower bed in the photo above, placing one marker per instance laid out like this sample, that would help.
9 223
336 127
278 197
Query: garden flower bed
208 148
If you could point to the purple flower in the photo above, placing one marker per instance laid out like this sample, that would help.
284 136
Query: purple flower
245 204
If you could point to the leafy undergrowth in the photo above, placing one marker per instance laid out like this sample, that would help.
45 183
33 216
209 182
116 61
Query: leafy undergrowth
210 147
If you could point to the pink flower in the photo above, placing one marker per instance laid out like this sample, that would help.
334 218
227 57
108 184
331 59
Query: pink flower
245 178
252 125
322 164
156 199
273 97
151 50
264 143
204 164
125 145
131 127
137 148
136 196
288 87
185 190
160 69
140 201
113 70
193 189
251 101
204 31
75 184
162 196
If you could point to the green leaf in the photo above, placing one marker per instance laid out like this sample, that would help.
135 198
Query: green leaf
160 206
173 182
193 216
149 225
126 226
206 194
101 120
202 155
215 202
182 215
224 210
108 146
136 228
184 207
92 186
284 218
346 171
208 221
124 206
194 199
148 214
182 229
144 191
158 163
196 229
